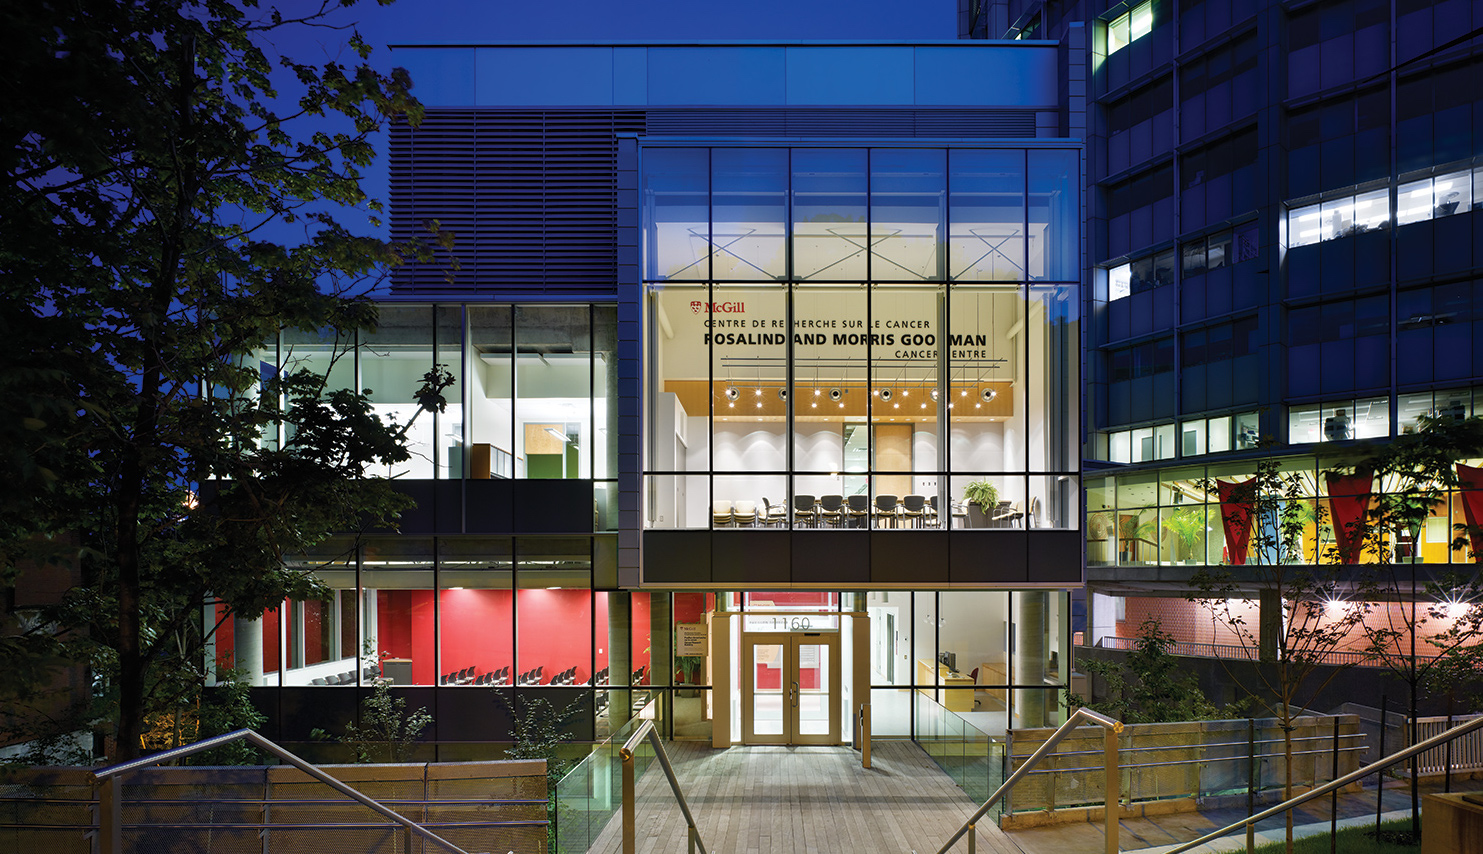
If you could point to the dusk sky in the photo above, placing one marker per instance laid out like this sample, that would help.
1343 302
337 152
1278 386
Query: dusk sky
578 21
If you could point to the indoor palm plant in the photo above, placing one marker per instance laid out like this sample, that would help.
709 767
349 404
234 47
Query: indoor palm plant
982 497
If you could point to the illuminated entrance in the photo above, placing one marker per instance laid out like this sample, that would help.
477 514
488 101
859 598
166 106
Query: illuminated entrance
790 687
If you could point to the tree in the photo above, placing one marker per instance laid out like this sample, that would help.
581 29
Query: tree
386 733
1150 686
151 161
1440 606
1298 586
539 732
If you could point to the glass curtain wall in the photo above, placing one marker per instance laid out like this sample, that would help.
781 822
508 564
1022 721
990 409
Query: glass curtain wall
529 398
861 338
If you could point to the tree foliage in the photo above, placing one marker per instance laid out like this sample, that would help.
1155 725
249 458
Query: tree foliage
1429 639
1150 685
165 214
1296 579
386 732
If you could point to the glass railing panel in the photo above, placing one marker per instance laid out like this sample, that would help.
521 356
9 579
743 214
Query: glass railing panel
592 792
972 757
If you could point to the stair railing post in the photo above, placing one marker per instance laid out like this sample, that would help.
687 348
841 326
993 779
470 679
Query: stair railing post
1113 789
111 817
628 797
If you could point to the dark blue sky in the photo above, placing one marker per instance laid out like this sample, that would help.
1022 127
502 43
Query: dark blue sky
578 21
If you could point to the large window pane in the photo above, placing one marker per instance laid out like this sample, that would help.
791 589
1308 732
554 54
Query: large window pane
904 403
476 611
398 609
1051 381
553 382
553 611
676 201
450 422
750 213
987 216
680 388
393 361
985 412
830 347
907 213
829 214
491 375
1053 177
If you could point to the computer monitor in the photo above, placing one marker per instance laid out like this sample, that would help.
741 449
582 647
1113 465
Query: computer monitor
950 659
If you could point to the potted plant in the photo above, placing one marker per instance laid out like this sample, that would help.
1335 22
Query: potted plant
1188 526
687 669
982 497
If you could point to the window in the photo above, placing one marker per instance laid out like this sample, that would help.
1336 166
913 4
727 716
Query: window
882 325
1339 420
1130 26
1190 438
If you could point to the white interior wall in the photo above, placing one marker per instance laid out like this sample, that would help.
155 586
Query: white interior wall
974 627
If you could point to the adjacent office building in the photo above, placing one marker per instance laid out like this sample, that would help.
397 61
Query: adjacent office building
1283 229
737 329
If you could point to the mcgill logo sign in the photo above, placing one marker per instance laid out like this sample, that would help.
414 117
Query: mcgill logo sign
697 306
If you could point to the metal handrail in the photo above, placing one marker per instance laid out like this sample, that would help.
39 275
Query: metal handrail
111 812
1081 717
626 753
1358 774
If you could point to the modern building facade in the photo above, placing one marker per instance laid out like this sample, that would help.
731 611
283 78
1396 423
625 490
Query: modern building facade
736 331
1283 226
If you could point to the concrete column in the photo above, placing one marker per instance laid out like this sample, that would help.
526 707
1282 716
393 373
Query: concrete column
721 687
620 657
247 648
1030 656
1270 624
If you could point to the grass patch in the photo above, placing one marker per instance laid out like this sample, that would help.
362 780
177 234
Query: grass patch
1394 836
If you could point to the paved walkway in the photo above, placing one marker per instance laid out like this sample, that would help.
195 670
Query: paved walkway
818 800
803 800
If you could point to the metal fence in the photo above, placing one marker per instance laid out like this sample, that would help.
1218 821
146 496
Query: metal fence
1464 753
1238 652
1188 760
481 806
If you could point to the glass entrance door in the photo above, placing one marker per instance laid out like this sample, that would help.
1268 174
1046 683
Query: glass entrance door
790 688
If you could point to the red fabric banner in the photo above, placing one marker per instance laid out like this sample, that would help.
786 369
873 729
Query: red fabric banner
1349 501
1471 479
1237 502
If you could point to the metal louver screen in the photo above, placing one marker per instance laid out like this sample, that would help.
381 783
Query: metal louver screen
531 195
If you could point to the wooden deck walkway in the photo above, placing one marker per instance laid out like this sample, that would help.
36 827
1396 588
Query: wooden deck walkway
803 800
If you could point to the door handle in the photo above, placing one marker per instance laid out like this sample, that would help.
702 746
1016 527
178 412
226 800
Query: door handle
795 694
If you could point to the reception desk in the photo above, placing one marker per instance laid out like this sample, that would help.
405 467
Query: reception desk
934 673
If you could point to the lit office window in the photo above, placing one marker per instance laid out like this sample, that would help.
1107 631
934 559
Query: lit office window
1128 27
1303 226
1372 210
1119 281
1414 202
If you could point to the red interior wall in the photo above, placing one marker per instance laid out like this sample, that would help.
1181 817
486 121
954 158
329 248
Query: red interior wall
314 652
404 626
556 632
640 655
799 599
226 638
476 630
600 630
270 641
691 607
